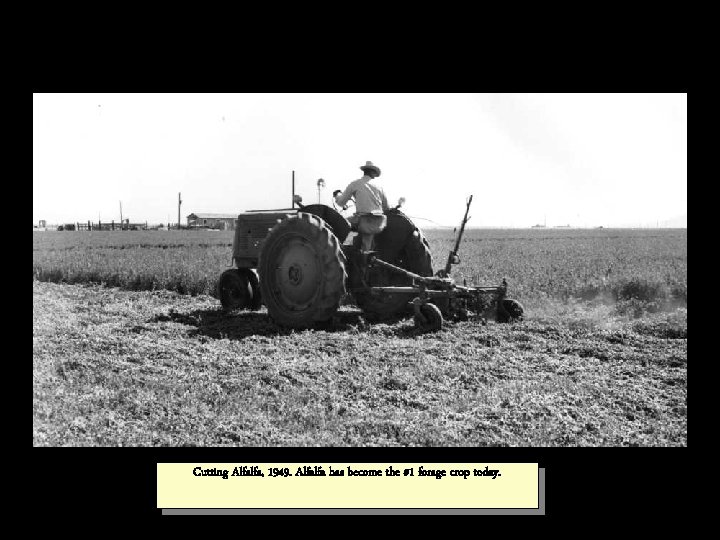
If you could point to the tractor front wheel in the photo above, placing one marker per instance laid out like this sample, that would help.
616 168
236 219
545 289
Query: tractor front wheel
256 302
234 290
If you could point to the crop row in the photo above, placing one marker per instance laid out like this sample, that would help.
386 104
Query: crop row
619 265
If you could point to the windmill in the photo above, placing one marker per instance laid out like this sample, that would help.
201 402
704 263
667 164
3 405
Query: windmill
320 186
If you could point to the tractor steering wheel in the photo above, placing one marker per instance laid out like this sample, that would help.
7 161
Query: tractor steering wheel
335 206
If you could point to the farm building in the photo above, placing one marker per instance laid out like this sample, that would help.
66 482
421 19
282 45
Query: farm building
212 221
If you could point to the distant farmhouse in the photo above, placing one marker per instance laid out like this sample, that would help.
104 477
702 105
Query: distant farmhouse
224 222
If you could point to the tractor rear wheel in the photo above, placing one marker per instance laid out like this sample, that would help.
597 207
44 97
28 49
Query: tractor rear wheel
414 256
417 257
302 271
234 290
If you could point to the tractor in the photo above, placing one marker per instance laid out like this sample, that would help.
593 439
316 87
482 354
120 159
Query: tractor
301 262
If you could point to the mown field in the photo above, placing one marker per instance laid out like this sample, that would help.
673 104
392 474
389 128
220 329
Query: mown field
130 348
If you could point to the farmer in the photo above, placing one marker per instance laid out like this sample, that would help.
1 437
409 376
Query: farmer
370 204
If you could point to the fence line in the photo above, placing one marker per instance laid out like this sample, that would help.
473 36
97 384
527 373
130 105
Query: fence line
107 226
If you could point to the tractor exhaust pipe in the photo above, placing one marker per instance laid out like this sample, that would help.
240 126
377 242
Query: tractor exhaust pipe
293 189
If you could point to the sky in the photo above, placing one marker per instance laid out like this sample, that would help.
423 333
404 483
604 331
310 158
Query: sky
563 159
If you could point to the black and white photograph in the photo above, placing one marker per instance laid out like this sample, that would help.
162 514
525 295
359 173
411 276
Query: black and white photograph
359 270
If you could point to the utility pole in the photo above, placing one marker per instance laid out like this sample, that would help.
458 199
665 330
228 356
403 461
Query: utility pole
293 190
121 219
179 203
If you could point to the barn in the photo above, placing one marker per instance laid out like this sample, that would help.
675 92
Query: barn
225 222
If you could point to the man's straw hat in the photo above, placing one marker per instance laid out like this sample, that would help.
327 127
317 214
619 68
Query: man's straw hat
370 167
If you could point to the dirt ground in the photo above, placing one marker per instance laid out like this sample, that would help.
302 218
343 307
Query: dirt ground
132 368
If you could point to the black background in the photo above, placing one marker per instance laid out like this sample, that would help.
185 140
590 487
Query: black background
74 50
597 483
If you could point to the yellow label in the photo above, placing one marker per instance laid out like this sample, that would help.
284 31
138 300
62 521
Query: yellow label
347 485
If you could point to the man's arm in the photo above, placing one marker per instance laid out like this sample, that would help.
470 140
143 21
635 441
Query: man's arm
384 202
345 196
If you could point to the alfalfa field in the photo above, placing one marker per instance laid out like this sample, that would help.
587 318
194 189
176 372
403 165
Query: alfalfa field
130 348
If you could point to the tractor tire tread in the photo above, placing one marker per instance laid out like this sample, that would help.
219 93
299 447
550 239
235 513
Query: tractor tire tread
233 277
333 264
419 261
256 302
